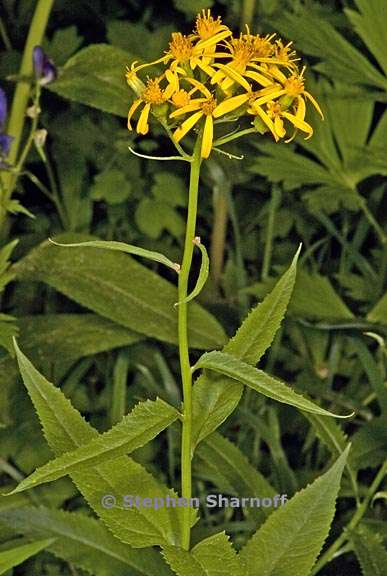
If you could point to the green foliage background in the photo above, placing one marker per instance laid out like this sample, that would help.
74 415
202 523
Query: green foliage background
97 339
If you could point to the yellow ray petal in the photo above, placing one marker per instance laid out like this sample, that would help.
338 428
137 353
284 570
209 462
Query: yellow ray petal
275 94
200 86
262 114
234 75
279 127
142 124
230 104
206 67
213 40
314 102
301 108
208 135
132 110
191 107
187 125
300 124
258 78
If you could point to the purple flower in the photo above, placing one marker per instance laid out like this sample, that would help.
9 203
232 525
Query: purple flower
44 68
3 108
5 139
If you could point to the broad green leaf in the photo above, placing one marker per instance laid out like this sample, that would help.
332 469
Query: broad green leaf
318 37
290 540
8 330
203 274
257 332
223 464
19 553
122 247
215 398
217 556
315 298
379 311
182 562
66 430
144 423
84 542
54 338
369 444
370 25
259 381
117 287
370 552
213 556
96 76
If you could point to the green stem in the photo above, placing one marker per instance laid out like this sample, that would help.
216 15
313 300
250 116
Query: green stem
273 206
247 14
22 92
185 367
219 230
337 544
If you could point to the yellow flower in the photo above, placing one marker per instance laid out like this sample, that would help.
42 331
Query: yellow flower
152 95
274 115
181 98
207 26
292 87
204 107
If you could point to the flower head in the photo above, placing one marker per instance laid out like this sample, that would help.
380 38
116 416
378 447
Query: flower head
44 68
211 77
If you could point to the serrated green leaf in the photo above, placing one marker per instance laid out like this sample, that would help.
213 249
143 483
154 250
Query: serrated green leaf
117 287
370 552
315 298
369 444
213 556
369 24
290 540
66 430
182 562
112 186
217 556
203 274
144 423
259 381
19 553
121 247
84 541
96 76
228 469
257 332
215 398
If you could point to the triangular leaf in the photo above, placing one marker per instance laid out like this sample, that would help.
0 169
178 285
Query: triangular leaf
66 430
143 423
301 527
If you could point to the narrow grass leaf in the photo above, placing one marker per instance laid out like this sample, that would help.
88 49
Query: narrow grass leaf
203 274
19 553
122 247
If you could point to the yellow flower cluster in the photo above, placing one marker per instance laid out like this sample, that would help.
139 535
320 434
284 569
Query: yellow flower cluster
210 77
